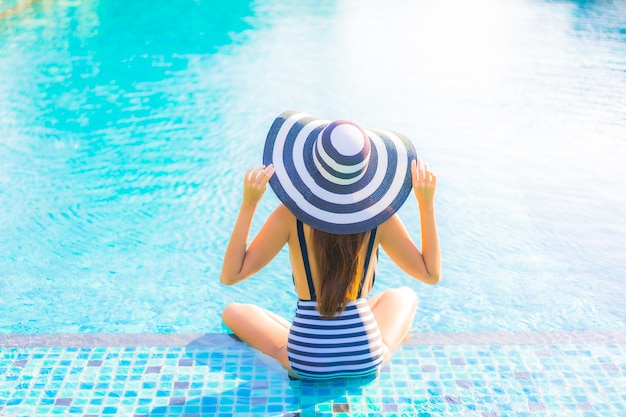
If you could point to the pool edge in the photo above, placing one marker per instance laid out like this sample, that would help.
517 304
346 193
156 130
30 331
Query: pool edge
209 340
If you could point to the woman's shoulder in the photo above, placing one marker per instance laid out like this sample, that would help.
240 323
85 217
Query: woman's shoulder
391 226
393 221
282 211
283 216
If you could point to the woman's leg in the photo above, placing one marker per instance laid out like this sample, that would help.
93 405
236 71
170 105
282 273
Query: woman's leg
261 329
394 311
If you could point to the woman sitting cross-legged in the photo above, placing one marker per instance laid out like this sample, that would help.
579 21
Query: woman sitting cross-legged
340 186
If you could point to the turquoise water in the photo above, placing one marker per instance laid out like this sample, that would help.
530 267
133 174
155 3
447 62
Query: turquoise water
126 127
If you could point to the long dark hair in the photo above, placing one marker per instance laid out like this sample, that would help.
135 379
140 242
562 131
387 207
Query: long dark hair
338 260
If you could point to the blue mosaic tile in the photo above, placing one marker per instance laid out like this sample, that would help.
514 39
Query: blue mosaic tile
481 380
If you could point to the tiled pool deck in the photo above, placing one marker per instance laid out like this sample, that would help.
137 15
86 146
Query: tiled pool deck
452 374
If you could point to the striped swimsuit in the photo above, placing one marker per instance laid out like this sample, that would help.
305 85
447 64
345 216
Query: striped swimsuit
345 345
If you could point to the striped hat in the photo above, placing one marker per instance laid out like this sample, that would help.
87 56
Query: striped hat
338 177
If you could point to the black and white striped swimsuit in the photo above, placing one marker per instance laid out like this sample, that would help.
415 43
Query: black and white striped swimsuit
349 344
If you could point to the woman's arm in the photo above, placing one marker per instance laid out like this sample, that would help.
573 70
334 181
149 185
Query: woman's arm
395 240
241 261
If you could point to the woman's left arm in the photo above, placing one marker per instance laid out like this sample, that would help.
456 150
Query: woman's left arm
240 260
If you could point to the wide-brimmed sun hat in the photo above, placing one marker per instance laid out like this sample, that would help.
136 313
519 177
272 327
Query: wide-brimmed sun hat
336 176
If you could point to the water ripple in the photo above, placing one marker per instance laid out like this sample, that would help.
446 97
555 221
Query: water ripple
124 138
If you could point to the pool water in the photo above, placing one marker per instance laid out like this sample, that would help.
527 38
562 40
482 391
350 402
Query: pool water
126 127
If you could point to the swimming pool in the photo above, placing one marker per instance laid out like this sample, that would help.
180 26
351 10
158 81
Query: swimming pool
125 130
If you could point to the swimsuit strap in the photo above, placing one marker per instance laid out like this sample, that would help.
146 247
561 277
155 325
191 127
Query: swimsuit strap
368 256
307 265
305 259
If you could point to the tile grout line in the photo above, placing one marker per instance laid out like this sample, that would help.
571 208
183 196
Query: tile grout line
215 340
17 8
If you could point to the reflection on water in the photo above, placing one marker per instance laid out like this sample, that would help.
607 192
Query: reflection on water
125 128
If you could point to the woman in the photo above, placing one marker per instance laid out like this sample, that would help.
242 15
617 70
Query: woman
340 186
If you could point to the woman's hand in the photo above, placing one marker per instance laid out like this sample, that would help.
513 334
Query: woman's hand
255 183
424 183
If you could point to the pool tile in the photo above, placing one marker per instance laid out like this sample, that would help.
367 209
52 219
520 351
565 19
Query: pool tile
232 379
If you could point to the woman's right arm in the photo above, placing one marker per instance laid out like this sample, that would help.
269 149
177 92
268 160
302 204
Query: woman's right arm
395 239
